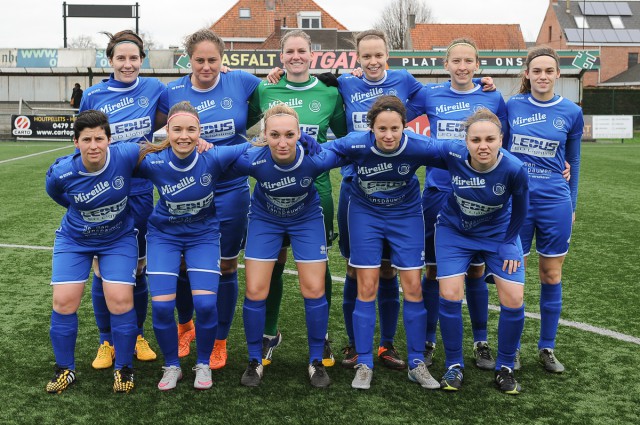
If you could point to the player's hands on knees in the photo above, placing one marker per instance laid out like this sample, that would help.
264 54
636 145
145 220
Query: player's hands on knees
274 75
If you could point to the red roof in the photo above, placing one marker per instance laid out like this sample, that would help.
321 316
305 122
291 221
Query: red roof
486 36
260 24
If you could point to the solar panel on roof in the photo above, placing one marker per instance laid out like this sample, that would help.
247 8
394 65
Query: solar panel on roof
623 8
635 35
610 36
623 36
599 8
573 35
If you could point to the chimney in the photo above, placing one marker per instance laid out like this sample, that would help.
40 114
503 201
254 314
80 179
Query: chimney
568 6
277 26
412 21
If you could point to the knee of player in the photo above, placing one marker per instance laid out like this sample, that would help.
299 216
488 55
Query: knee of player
551 276
451 292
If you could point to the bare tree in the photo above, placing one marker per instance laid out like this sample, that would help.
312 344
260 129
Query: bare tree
394 20
82 42
149 42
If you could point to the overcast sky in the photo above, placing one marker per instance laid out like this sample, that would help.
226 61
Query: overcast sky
39 23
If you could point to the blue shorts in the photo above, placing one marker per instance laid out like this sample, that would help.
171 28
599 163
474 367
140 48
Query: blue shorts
72 261
369 230
232 208
343 223
201 255
455 252
141 206
551 225
307 235
432 202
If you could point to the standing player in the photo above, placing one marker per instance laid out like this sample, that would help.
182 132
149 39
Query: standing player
447 106
221 101
184 223
481 218
285 203
94 186
130 103
319 108
545 130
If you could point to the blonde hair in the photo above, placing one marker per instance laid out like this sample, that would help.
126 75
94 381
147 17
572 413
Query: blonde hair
370 35
482 114
292 34
278 109
181 108
462 41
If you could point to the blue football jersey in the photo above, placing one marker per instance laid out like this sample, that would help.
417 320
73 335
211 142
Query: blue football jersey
222 108
131 109
447 109
96 202
480 200
284 191
186 188
543 135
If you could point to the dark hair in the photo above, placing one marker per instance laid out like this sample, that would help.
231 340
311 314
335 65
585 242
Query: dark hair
180 107
387 103
370 35
126 36
482 114
199 36
462 41
91 119
534 52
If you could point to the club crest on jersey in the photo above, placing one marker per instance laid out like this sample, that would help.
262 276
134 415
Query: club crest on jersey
315 106
143 102
206 179
118 183
227 103
393 92
558 123
499 189
306 181
403 169
476 108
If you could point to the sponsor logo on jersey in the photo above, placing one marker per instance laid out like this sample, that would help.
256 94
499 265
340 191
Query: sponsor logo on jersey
315 106
281 184
369 187
218 129
450 129
105 213
472 183
360 121
258 162
456 107
364 96
286 202
227 103
67 174
473 208
123 103
323 250
206 179
118 183
499 189
404 169
143 101
292 103
174 189
205 105
455 155
131 129
378 169
358 146
190 207
310 129
534 146
536 118
97 190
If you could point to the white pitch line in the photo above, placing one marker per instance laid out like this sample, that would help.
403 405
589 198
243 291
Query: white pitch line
34 154
568 323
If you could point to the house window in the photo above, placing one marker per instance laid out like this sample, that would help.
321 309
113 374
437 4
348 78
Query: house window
581 22
550 28
616 22
316 47
309 20
632 60
271 5
245 13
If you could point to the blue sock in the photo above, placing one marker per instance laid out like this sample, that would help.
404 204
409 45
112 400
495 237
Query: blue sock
184 299
348 304
63 334
101 311
550 309
141 300
227 300
510 326
478 305
388 308
431 299
207 312
125 330
254 314
317 316
451 331
364 325
415 322
166 330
